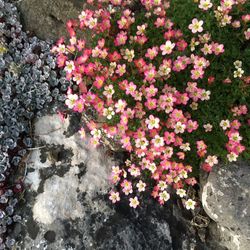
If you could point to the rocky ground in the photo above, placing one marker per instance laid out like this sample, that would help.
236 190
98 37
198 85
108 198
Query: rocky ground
66 204
67 200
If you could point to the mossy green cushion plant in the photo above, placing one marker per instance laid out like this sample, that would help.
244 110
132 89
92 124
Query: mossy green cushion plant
170 79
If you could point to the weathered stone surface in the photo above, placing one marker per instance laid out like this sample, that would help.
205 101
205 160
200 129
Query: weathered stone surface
66 205
47 18
226 199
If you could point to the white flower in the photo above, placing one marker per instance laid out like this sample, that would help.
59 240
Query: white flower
70 67
71 99
205 95
232 157
185 147
208 127
120 105
167 47
211 160
152 167
152 122
235 136
181 192
141 186
141 29
82 133
96 133
82 16
61 48
133 202
194 105
128 163
108 91
179 128
158 141
164 196
238 73
238 64
108 112
190 204
114 196
92 22
162 185
205 4
129 55
183 174
141 143
225 124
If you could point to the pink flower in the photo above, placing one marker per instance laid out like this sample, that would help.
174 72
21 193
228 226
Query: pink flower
99 81
127 187
61 60
151 103
131 88
181 45
122 23
141 39
121 38
192 126
160 22
82 133
150 75
177 115
121 69
196 26
217 48
79 105
151 91
114 196
125 141
197 73
169 137
152 53
116 2
114 57
207 49
80 44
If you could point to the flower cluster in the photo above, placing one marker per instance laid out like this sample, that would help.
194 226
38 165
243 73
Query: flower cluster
238 69
234 146
224 13
130 81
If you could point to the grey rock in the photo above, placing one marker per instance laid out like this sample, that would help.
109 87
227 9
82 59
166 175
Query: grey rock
47 18
67 206
225 198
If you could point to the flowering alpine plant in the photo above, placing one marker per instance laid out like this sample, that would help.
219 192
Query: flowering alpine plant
145 81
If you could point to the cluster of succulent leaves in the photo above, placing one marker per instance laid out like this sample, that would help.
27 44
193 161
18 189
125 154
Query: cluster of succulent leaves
29 85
